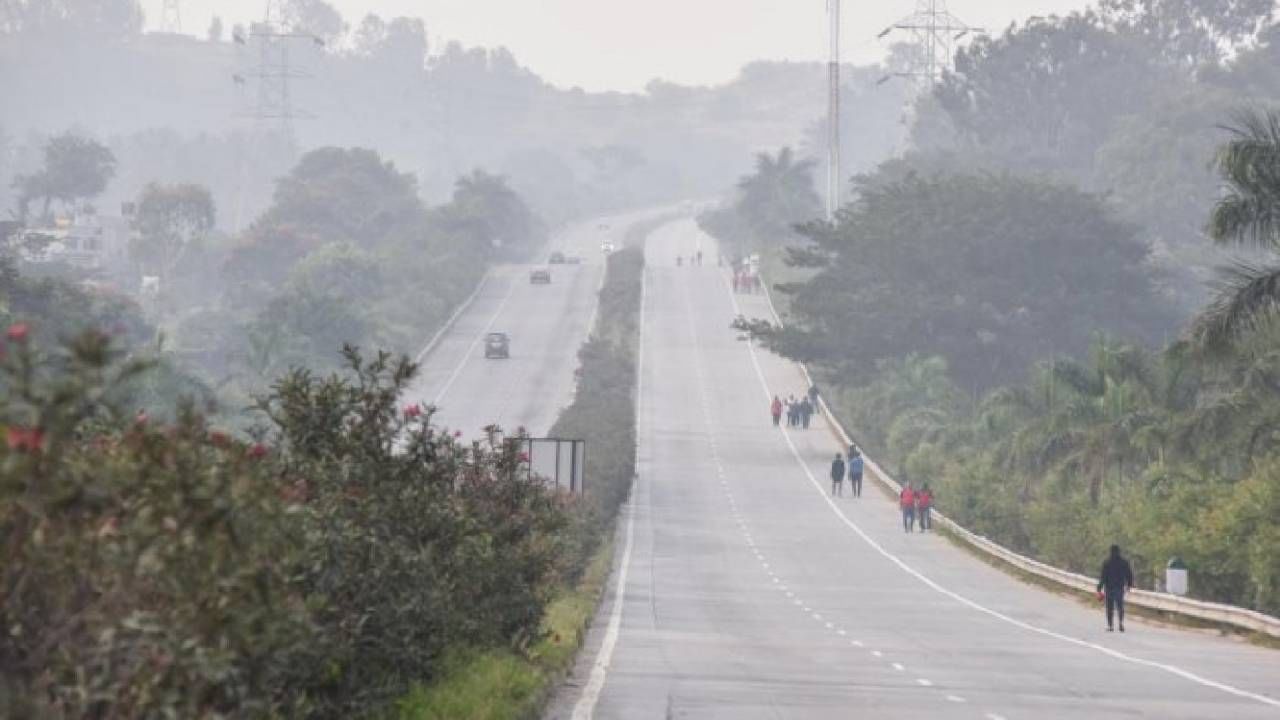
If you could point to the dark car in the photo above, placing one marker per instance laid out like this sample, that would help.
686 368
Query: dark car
541 276
497 345
557 258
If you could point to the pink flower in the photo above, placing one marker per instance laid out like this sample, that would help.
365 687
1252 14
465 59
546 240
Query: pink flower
412 411
23 439
141 418
219 439
18 332
258 451
524 457
457 433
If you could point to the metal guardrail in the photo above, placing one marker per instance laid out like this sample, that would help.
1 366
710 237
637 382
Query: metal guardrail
1216 613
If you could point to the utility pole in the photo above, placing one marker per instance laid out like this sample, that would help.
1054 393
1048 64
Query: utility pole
171 17
934 33
833 112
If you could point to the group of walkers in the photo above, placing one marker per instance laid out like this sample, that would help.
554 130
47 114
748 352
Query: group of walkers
746 282
694 259
917 507
799 412
854 466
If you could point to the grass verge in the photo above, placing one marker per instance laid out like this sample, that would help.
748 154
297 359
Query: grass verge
503 684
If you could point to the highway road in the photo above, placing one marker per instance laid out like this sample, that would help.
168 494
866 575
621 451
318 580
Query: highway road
547 325
742 590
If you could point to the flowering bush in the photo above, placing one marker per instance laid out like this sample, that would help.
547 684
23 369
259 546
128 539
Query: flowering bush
170 570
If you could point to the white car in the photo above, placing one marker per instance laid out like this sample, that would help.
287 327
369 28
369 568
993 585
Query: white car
606 247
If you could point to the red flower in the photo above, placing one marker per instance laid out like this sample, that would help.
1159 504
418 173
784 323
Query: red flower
258 451
524 457
18 332
457 433
141 418
22 439
412 411
219 439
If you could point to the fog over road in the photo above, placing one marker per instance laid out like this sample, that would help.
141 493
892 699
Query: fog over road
749 594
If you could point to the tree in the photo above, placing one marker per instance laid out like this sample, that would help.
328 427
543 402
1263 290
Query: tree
75 168
1247 215
990 272
1044 97
779 195
88 18
171 218
315 17
215 30
492 215
1190 32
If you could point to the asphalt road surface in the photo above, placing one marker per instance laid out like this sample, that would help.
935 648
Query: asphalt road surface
547 324
741 590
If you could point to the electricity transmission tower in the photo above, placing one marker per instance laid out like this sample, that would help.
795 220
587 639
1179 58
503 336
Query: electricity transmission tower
171 17
833 111
275 71
934 33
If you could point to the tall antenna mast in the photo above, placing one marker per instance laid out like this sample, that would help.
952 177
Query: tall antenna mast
171 17
934 32
833 112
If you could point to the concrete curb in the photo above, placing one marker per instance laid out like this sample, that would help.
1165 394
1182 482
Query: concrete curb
1216 613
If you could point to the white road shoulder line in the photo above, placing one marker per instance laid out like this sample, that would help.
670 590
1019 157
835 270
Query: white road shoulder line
453 377
1171 669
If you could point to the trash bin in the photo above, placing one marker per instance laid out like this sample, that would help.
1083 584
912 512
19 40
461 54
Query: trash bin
1175 577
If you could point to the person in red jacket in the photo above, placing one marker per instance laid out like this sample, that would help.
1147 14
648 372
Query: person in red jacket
924 506
907 501
775 409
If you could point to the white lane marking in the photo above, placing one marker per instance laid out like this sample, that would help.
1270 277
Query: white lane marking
899 667
841 633
877 653
472 347
856 643
585 708
457 313
925 683
955 698
1171 669
993 716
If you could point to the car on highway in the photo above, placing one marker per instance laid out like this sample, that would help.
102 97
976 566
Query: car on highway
541 276
557 258
497 345
606 247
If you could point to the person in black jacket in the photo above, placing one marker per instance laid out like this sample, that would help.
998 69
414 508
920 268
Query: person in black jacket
1115 580
837 476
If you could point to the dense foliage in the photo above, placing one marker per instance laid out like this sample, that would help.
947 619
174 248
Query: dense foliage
990 272
171 571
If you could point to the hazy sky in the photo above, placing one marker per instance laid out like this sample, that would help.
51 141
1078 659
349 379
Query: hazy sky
622 44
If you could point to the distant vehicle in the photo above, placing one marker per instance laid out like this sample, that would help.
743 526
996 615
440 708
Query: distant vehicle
606 247
573 260
497 345
541 276
557 258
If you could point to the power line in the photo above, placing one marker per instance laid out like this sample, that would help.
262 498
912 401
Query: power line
275 71
934 33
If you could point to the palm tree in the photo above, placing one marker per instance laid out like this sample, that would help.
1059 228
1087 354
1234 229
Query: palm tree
778 195
1247 215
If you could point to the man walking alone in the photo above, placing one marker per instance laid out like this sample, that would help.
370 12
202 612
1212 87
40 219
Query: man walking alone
837 476
1116 579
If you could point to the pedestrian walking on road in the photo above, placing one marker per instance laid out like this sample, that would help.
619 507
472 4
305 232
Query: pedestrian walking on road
775 409
1115 580
813 396
837 476
924 508
907 501
806 413
855 474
